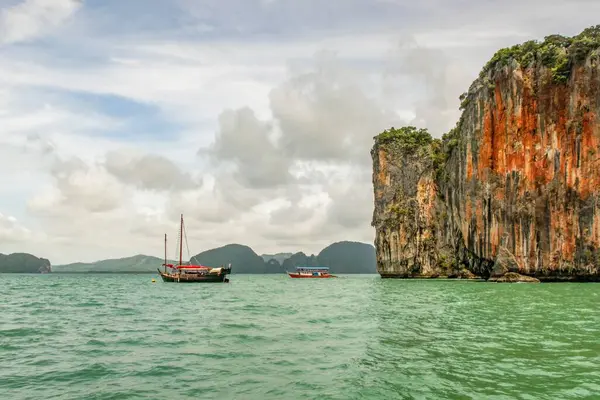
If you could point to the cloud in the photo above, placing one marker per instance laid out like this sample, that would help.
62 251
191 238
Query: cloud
147 171
440 76
290 17
307 168
351 203
39 145
32 18
324 113
245 141
79 188
319 115
102 115
203 205
12 231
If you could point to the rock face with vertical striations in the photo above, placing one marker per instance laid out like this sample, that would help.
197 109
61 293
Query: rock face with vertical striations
408 213
514 188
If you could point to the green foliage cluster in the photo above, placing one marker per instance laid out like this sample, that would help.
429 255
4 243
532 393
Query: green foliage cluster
464 100
447 264
450 139
559 53
408 137
556 52
399 210
439 156
413 139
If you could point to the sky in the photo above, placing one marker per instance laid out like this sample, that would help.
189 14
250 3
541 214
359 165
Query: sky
253 118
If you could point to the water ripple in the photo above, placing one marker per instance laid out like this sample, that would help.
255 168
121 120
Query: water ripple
270 337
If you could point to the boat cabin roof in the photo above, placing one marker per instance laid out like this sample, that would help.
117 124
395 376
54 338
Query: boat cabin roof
313 268
187 266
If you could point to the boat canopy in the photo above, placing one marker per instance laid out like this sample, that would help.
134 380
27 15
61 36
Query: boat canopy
187 266
193 267
313 268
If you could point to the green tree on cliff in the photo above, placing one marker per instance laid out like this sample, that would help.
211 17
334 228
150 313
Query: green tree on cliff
556 52
407 137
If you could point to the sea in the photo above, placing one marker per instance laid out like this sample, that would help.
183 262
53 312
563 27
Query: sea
105 336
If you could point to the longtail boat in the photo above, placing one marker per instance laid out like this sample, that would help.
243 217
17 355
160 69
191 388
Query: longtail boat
188 273
311 272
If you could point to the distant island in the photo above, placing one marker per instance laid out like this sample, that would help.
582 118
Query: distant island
138 263
23 263
341 257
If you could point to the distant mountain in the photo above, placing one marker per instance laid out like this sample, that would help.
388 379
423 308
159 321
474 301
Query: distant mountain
342 258
349 258
242 258
300 260
273 267
139 263
280 257
23 263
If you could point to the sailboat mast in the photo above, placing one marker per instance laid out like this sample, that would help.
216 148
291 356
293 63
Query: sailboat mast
165 253
181 240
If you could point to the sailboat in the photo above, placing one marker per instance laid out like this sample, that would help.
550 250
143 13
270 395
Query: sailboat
188 273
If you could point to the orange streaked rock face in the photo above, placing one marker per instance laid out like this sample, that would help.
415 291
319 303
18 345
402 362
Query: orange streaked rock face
520 188
406 213
527 198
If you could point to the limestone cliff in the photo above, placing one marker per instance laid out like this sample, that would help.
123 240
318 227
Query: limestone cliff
515 186
407 214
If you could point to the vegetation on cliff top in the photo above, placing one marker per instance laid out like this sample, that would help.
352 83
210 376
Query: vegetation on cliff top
419 142
559 53
408 137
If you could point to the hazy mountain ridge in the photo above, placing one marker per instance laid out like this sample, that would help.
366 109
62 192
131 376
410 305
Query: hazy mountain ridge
341 257
279 257
138 263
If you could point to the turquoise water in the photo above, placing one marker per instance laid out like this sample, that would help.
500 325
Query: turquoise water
271 337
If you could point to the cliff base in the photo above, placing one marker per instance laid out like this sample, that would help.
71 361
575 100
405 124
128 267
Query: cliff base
513 277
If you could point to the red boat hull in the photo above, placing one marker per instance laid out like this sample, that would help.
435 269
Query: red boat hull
292 275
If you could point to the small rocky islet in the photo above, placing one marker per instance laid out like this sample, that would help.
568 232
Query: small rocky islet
512 193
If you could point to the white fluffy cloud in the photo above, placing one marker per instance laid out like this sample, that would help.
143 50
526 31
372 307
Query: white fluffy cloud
325 113
256 125
33 18
12 231
244 140
79 188
147 171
